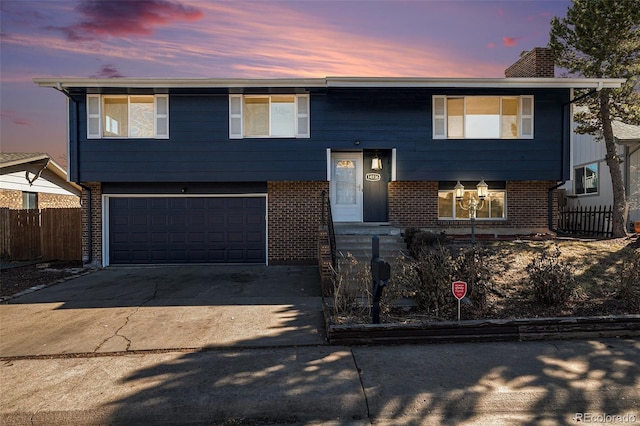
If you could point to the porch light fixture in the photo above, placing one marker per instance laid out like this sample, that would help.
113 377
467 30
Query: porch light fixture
474 203
376 163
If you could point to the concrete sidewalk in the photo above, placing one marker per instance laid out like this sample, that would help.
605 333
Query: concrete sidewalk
245 345
463 384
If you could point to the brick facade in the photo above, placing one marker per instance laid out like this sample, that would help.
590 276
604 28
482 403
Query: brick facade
538 62
92 250
415 204
294 214
55 201
13 199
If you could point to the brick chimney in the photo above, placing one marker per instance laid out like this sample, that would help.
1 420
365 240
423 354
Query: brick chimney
538 62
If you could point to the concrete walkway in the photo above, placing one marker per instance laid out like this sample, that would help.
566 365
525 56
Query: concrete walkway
245 345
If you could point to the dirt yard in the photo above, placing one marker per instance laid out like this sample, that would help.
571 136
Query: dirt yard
596 265
16 279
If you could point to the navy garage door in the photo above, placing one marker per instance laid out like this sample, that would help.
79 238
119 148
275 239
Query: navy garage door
187 230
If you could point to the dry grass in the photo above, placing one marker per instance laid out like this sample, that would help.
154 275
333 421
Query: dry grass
596 266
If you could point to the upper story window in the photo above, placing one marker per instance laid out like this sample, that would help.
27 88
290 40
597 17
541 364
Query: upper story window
268 116
586 179
128 116
483 117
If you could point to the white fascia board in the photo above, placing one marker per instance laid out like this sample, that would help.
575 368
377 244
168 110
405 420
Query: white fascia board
195 83
63 83
477 82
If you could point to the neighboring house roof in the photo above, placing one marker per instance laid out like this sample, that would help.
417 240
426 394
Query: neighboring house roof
625 133
219 83
36 165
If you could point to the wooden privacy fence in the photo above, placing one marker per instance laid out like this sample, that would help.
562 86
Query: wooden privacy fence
47 234
593 221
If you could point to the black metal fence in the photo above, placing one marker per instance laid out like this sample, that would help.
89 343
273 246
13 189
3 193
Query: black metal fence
591 221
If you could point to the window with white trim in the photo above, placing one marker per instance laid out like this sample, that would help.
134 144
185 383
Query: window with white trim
493 207
268 116
29 200
128 116
482 117
586 179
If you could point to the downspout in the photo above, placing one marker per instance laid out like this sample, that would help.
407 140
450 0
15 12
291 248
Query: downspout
550 223
566 111
89 258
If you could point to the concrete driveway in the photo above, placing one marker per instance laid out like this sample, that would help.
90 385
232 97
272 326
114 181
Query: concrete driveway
169 307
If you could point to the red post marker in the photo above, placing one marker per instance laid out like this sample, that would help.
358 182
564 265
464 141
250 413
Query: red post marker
459 289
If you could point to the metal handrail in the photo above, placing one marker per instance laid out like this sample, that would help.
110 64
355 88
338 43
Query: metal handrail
327 220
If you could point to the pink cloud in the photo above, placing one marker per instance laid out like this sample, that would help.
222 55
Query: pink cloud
106 18
312 47
14 118
510 41
491 45
108 71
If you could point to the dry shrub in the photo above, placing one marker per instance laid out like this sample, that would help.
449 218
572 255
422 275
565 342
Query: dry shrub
435 269
552 281
351 288
418 241
471 267
403 283
629 281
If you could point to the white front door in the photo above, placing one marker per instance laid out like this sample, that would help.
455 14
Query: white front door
346 186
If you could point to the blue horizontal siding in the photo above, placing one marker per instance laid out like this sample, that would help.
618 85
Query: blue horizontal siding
199 149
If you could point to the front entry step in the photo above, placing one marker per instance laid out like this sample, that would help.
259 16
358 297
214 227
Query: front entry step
356 239
366 228
359 246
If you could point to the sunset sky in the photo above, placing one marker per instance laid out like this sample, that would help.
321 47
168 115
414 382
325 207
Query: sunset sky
252 39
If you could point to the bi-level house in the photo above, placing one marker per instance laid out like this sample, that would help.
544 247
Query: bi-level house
232 170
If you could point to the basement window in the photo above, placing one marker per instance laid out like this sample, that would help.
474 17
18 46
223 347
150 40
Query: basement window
494 206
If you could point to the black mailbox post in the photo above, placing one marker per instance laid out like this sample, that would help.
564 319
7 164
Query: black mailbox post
380 272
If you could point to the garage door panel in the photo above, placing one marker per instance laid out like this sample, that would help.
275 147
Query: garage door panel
159 237
254 219
216 237
139 237
196 237
187 230
178 203
254 237
140 203
140 256
139 219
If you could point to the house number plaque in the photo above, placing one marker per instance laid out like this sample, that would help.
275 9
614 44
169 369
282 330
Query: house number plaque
372 177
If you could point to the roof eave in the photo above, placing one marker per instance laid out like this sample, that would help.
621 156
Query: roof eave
476 82
194 83
51 169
